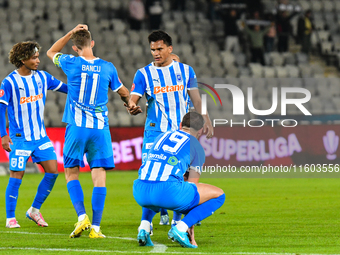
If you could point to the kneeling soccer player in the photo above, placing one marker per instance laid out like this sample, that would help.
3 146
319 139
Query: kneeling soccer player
161 183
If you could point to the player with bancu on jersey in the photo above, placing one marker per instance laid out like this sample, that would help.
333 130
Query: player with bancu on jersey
161 184
88 79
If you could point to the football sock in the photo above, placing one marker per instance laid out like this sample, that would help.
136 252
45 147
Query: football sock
148 214
77 196
44 189
182 226
96 228
164 211
203 211
145 225
98 201
12 192
81 217
177 216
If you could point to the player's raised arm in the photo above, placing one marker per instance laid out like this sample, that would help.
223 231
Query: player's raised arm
60 44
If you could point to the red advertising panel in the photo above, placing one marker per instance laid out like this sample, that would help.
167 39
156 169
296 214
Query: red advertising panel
246 146
126 144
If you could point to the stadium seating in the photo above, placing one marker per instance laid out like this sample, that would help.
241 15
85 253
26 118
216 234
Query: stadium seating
195 40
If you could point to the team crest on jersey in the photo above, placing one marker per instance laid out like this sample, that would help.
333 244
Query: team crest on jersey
14 162
40 85
179 77
2 92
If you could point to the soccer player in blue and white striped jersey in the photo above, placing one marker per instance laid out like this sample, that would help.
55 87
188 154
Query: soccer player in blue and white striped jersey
23 93
166 85
161 184
89 79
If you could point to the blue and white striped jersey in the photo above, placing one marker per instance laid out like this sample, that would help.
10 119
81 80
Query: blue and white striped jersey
171 155
25 98
166 89
88 83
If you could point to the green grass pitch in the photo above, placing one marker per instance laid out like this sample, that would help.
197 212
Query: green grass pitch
260 216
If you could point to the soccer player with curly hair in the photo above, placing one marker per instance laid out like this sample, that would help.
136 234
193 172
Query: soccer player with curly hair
23 94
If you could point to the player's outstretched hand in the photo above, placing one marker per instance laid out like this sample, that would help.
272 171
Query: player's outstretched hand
6 140
80 27
133 109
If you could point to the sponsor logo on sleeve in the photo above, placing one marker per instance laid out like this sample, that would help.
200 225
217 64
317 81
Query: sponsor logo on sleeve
2 92
132 87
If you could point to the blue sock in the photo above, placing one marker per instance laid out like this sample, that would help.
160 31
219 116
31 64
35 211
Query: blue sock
77 196
12 193
44 189
147 214
164 211
203 211
177 216
98 201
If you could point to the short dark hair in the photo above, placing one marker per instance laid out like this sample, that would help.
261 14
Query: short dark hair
22 51
160 35
193 120
81 38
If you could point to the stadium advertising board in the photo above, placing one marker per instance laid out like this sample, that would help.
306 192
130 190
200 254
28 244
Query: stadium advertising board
301 146
126 144
237 146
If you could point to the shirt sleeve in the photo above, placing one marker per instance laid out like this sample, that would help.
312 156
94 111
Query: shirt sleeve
5 92
197 156
54 84
192 84
139 84
3 131
116 83
5 96
61 60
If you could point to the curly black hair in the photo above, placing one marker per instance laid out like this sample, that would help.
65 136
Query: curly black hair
22 51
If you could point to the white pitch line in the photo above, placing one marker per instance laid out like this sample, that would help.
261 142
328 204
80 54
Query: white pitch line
158 248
